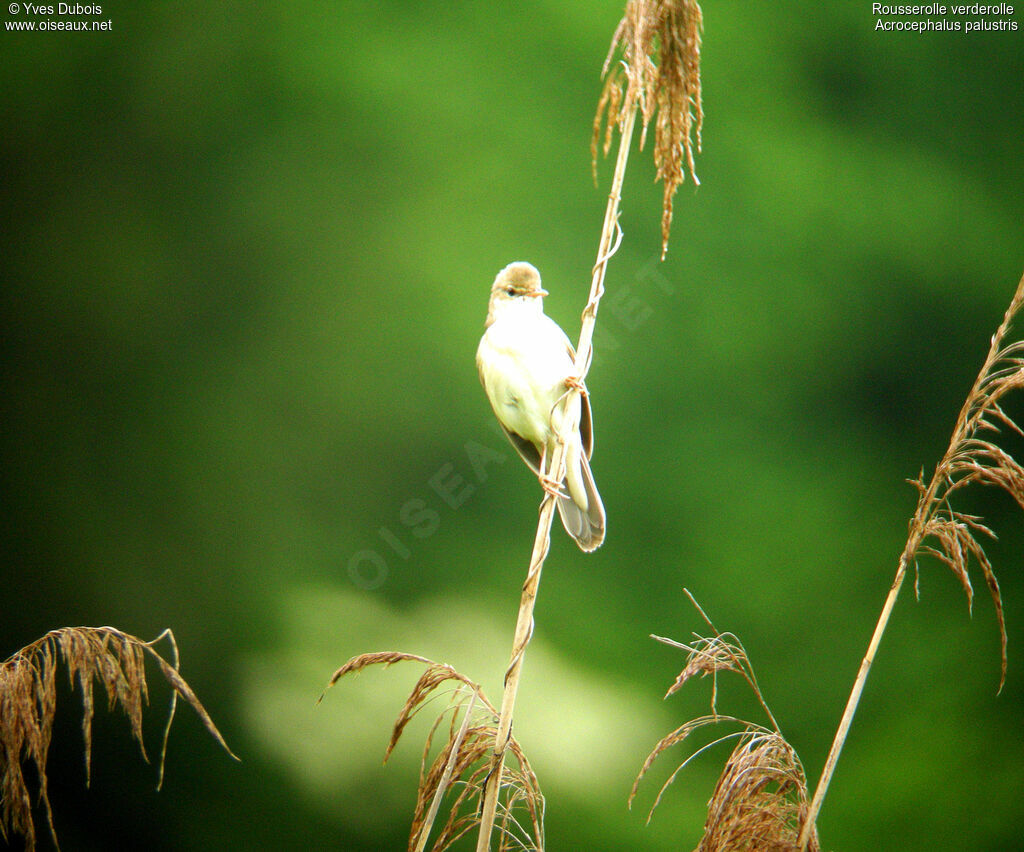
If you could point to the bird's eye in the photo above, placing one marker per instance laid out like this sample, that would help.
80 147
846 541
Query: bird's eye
510 290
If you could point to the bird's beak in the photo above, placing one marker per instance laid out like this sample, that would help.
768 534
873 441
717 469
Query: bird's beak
538 293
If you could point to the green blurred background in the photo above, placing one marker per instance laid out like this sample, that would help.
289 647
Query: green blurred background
245 254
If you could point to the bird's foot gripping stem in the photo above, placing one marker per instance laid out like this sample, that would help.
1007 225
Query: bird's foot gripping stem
551 486
576 383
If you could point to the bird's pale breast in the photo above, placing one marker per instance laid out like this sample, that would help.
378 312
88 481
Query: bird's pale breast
524 361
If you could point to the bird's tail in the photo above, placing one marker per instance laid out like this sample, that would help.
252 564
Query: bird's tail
586 526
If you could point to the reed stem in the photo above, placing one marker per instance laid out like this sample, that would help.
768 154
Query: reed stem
542 540
930 499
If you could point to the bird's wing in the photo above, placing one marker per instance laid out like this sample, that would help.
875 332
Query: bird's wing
527 451
586 415
586 425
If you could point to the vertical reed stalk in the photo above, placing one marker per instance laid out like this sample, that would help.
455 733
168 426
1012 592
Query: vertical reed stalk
851 708
446 776
659 73
542 541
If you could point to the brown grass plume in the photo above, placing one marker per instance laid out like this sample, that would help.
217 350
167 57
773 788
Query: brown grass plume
28 703
760 800
659 74
936 528
459 769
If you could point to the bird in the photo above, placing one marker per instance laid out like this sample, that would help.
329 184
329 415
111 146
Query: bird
527 366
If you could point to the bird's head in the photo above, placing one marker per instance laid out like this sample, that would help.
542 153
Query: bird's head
517 284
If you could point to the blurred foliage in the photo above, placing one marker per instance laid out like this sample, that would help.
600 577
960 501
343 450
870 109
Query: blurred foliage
245 256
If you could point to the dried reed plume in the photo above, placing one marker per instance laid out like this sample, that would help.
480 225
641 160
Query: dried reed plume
668 92
760 800
659 73
936 528
28 701
463 762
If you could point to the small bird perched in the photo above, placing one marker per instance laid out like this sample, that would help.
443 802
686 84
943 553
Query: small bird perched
527 366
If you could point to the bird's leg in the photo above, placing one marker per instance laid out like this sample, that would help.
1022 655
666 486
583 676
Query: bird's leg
548 483
576 383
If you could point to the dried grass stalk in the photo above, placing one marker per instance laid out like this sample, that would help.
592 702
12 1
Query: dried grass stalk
760 800
667 31
709 655
666 91
936 528
462 764
28 702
